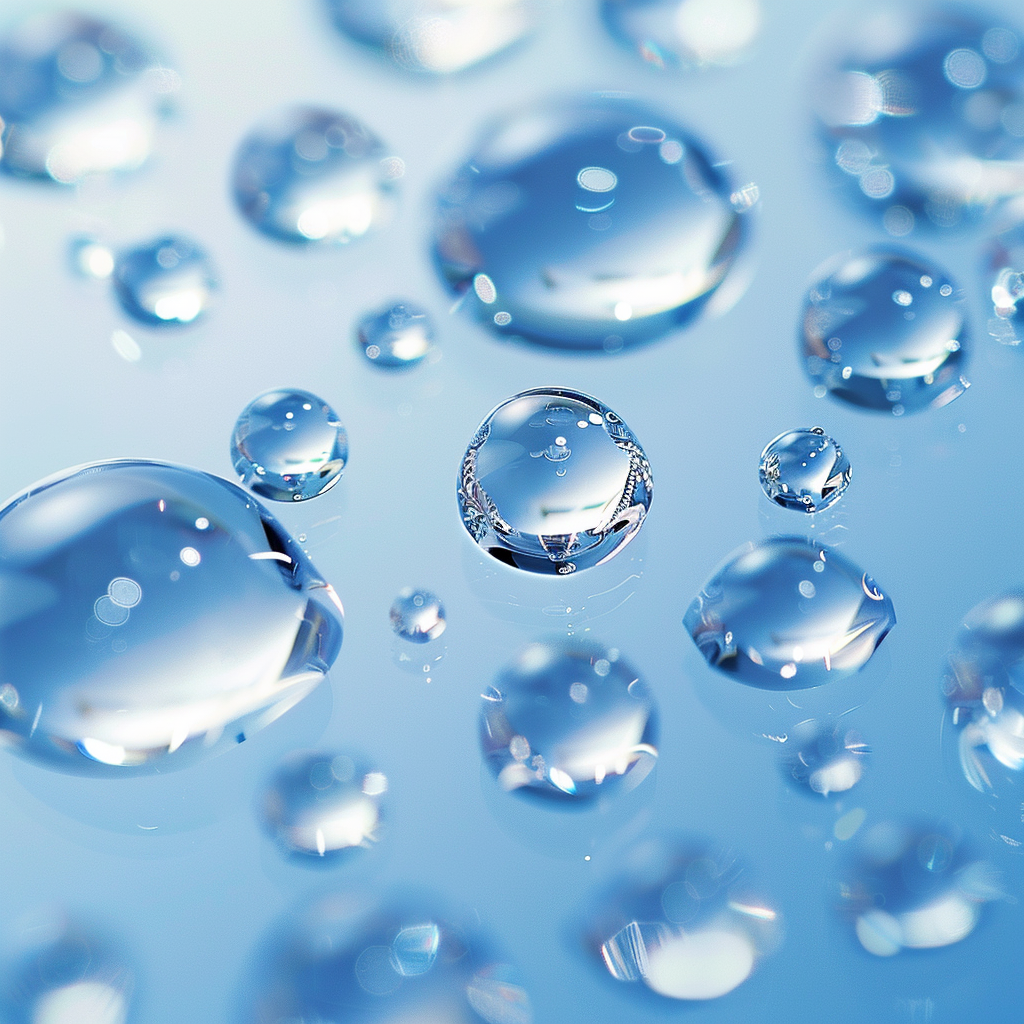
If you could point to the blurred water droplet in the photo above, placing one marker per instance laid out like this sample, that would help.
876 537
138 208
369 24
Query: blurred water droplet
804 470
824 759
166 282
418 615
1004 266
397 336
90 258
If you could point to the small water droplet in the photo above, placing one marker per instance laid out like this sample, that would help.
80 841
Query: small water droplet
396 336
824 759
90 258
168 281
418 615
804 470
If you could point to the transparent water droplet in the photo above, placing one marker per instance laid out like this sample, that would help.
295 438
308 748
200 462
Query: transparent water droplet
859 343
90 258
289 445
804 470
560 729
752 621
570 264
218 649
397 336
824 759
307 174
168 281
418 615
522 511
1004 266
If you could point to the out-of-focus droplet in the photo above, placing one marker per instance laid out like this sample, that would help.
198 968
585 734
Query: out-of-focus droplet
588 224
397 336
568 721
308 174
804 470
289 445
90 258
686 33
788 614
824 759
1004 267
169 281
78 96
418 615
886 330
149 613
553 481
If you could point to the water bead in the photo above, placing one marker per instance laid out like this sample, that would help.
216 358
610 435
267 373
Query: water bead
588 224
886 330
307 174
1005 273
150 614
89 258
824 759
804 470
418 615
553 481
397 336
78 96
788 614
568 721
289 445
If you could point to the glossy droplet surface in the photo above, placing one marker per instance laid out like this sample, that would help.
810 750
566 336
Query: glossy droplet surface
78 96
887 331
308 174
804 470
587 224
322 804
150 612
168 281
289 445
418 615
824 759
788 614
921 113
397 336
553 481
1004 269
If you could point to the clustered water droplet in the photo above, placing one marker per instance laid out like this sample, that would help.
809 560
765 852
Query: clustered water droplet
418 615
804 470
395 337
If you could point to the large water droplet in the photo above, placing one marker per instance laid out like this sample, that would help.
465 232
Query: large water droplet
1005 270
884 330
148 610
590 224
824 759
397 336
289 445
314 175
804 470
418 615
787 614
78 96
553 481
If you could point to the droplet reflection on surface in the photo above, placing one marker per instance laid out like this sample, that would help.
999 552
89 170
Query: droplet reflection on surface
395 337
824 759
168 281
553 481
133 635
787 614
804 470
418 615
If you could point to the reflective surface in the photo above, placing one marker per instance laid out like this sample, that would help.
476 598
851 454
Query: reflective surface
150 614
553 481
786 614
885 330
289 445
568 721
587 224
824 758
804 470
418 615
1005 274
397 336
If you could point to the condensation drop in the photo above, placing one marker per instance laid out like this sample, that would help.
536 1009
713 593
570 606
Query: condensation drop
418 615
824 759
168 281
804 470
397 336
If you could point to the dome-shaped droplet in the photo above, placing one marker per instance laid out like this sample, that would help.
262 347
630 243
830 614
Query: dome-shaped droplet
824 759
568 721
436 36
78 96
147 611
289 445
168 281
314 175
788 614
687 33
921 113
804 470
589 224
319 805
90 258
682 921
553 481
883 330
397 336
418 615
1005 277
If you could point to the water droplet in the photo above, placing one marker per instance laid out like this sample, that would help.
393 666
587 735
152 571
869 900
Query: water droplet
1005 271
322 804
804 470
167 281
289 445
418 615
560 729
183 653
79 96
312 175
396 336
752 621
520 214
858 343
90 258
824 759
517 506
